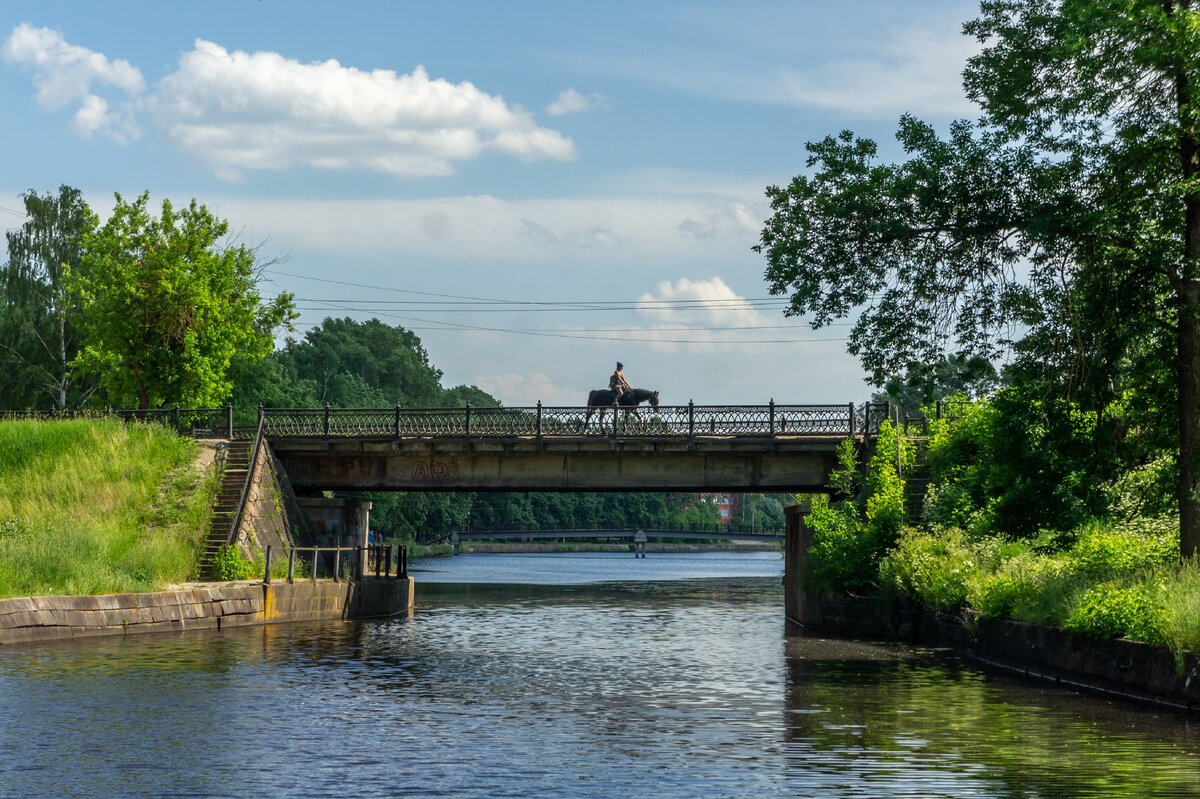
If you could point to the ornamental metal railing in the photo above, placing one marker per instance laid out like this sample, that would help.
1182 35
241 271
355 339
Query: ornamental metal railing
771 420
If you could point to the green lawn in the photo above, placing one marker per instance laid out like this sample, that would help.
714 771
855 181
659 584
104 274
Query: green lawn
93 507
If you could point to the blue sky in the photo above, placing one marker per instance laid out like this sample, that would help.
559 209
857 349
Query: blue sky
419 162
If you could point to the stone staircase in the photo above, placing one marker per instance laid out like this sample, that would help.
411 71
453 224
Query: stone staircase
225 506
916 483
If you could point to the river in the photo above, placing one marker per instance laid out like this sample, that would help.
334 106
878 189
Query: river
564 675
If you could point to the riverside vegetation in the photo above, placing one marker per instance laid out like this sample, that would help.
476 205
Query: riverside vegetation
97 506
1034 540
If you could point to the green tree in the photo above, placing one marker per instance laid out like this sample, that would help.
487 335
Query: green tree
924 384
165 308
38 335
1071 211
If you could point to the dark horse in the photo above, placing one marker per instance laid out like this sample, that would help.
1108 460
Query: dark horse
603 399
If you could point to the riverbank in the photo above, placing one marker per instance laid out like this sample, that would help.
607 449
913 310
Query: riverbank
200 607
98 506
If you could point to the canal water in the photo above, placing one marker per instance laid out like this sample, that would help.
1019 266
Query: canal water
585 675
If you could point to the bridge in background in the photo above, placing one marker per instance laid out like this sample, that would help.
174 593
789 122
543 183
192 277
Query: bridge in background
615 533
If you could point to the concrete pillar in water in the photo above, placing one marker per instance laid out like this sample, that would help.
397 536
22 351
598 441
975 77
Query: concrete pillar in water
358 529
795 560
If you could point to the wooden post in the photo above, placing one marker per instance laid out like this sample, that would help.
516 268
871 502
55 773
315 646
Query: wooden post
378 559
387 564
337 564
361 567
291 565
267 567
316 554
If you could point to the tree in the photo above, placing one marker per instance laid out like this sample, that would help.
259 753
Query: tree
165 308
1070 212
38 335
924 384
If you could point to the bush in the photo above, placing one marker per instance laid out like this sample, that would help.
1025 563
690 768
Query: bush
1180 619
1114 610
1102 550
840 557
932 568
230 564
1027 587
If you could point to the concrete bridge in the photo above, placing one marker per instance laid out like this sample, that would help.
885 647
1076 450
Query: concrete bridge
605 534
772 447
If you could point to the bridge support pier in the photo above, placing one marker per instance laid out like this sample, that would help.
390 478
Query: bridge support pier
639 544
795 560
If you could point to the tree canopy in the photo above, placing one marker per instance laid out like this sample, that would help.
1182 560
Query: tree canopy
165 307
1063 227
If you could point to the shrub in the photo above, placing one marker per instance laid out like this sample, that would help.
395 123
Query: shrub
930 567
840 556
230 564
1102 550
1180 619
1115 610
1027 587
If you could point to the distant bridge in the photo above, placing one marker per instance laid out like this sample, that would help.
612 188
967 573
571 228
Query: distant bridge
692 533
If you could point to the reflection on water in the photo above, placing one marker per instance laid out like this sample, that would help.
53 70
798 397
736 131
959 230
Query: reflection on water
626 689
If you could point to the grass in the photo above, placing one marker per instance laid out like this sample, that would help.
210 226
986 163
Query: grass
95 506
1116 580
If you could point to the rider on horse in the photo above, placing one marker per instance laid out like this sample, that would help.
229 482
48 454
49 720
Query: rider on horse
617 383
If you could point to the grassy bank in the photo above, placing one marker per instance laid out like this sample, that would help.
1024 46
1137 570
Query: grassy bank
95 506
1116 580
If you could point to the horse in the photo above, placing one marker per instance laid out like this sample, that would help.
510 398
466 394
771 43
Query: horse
604 398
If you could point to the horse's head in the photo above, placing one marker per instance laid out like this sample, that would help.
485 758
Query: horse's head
654 400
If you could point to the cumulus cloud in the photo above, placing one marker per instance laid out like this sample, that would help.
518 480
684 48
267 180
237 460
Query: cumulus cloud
571 101
241 111
237 111
65 73
690 309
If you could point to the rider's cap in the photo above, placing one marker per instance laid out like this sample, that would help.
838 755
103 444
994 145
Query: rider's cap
620 365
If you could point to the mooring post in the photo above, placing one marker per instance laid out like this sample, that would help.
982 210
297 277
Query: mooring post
267 567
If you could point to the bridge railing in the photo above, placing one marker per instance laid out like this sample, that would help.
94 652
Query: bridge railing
689 420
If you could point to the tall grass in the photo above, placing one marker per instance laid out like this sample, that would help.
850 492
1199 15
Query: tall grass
95 506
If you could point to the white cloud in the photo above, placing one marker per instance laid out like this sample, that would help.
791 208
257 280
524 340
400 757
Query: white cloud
571 101
916 70
245 111
725 218
700 311
65 73
238 111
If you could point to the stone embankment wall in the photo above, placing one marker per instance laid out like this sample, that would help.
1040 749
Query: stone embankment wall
212 607
1128 669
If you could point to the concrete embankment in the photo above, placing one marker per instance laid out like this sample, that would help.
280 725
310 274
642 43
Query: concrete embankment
209 607
1129 669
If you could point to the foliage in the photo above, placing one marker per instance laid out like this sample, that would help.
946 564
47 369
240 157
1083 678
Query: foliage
230 564
1180 597
931 567
92 507
923 385
852 534
165 309
1116 610
38 315
1069 212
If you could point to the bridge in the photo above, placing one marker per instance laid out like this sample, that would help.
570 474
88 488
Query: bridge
607 533
772 447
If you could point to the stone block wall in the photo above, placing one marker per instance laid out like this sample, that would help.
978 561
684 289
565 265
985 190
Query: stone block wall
214 607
